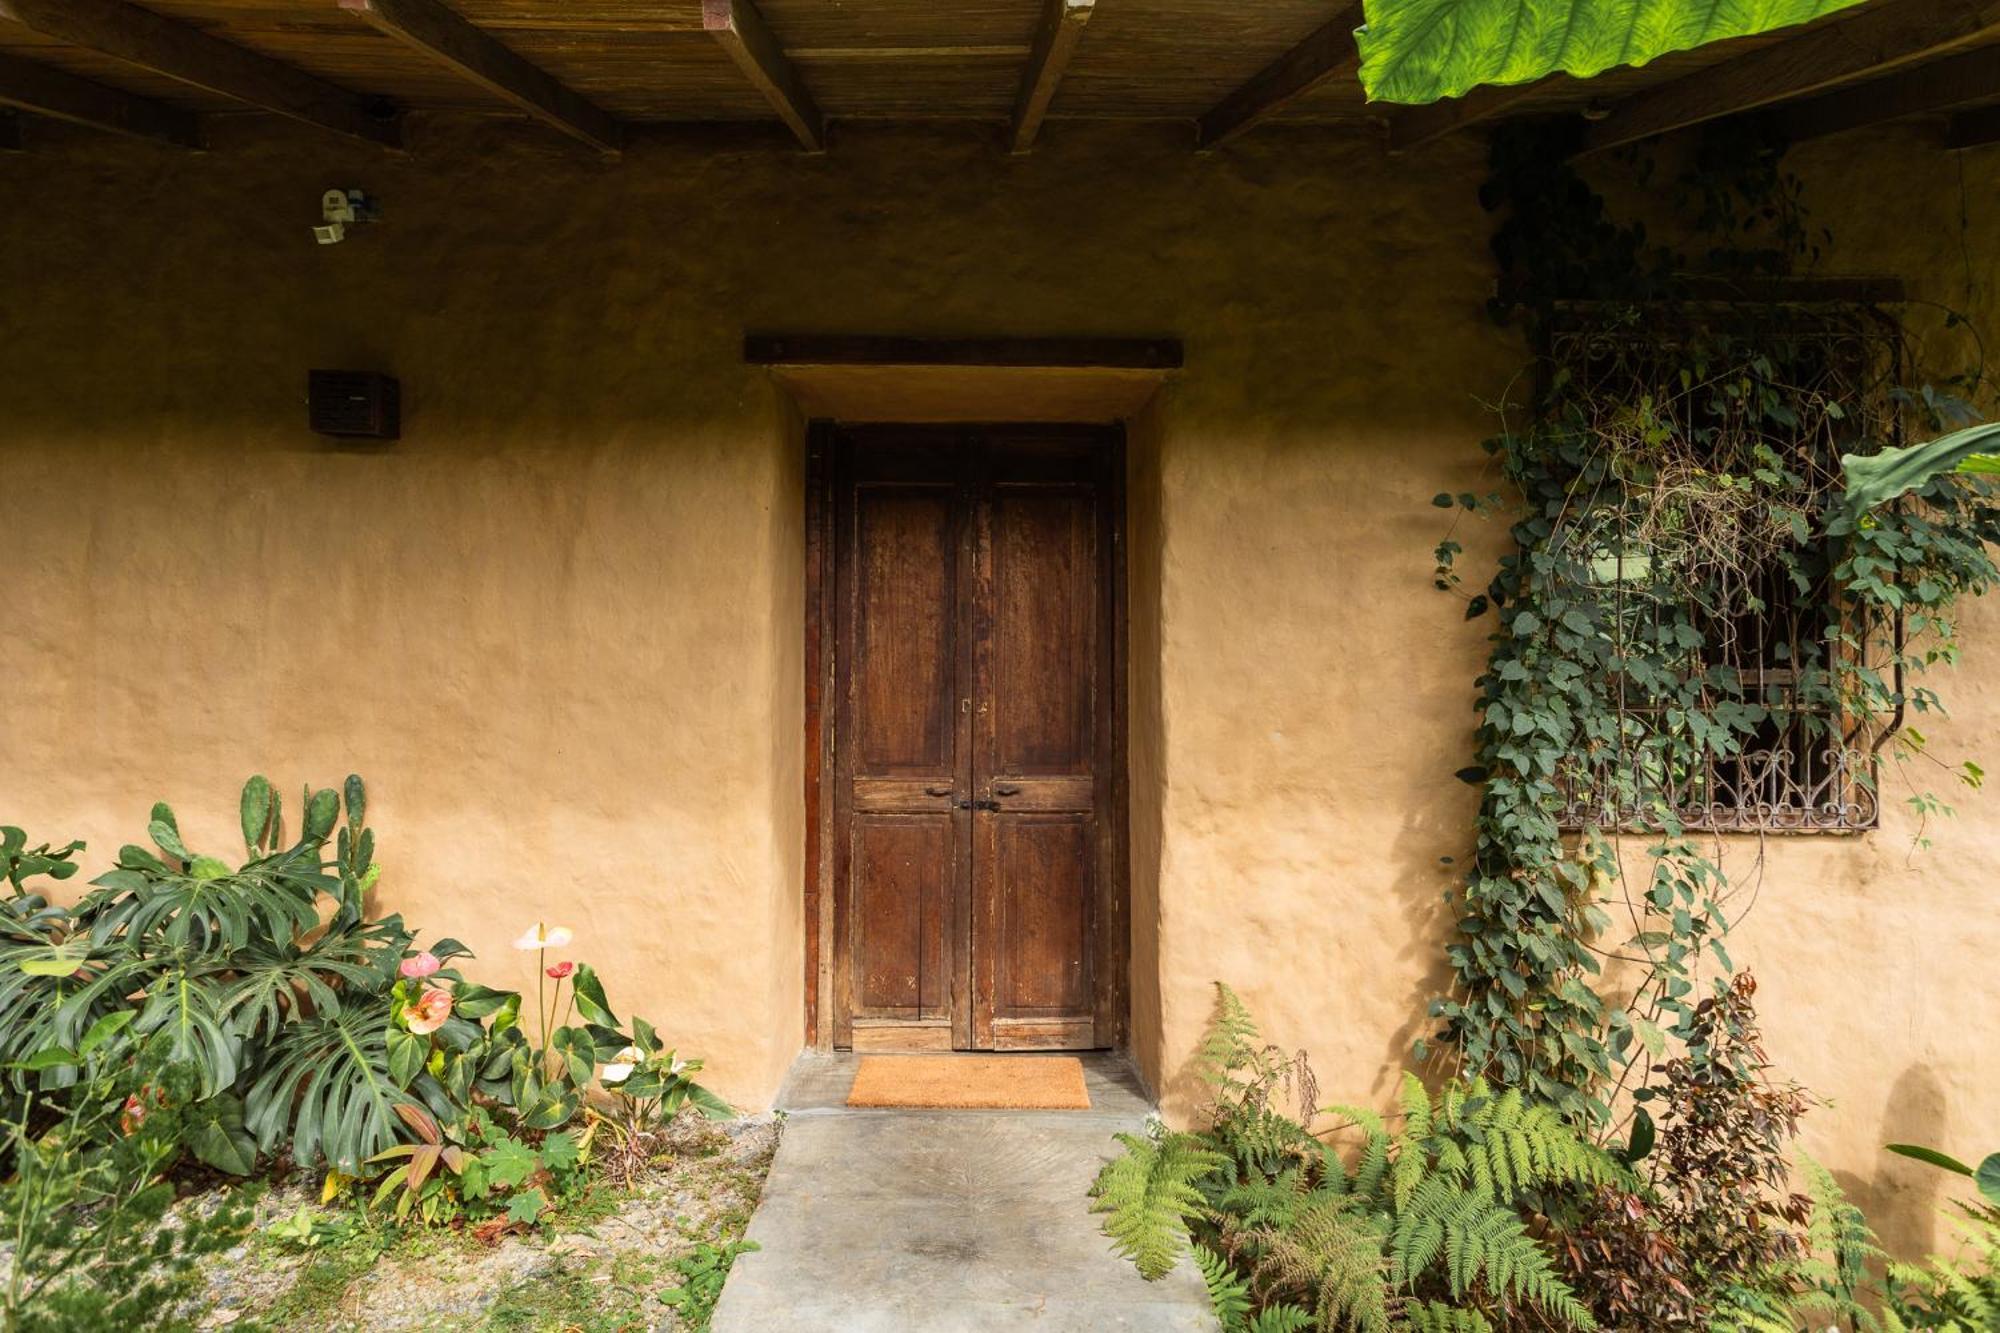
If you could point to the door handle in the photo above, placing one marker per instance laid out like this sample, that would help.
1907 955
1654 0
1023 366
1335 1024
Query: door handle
939 791
1006 789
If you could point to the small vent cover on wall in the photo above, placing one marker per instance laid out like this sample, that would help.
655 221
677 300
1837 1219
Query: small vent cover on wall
354 404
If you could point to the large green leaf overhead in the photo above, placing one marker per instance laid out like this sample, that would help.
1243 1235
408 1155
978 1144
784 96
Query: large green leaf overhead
1423 50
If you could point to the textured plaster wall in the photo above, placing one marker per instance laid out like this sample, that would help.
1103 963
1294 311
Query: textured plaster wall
558 625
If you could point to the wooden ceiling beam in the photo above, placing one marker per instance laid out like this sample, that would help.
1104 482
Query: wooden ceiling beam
1326 54
1942 85
740 30
428 27
1973 129
1419 125
1874 41
1056 37
182 51
48 91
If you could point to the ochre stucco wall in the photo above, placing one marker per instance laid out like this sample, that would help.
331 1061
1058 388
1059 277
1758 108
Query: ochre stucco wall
558 625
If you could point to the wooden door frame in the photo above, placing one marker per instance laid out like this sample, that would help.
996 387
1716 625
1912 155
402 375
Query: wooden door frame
1115 929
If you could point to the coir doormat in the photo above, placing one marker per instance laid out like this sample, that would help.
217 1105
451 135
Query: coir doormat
971 1082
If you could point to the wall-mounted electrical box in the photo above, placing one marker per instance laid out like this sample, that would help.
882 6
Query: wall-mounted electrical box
354 404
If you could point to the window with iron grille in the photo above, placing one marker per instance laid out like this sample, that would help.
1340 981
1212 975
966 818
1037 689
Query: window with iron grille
1705 555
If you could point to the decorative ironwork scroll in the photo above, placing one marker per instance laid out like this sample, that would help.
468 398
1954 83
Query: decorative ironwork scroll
1768 650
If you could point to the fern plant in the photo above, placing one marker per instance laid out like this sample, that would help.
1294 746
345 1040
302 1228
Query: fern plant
1426 1227
1958 1293
1150 1192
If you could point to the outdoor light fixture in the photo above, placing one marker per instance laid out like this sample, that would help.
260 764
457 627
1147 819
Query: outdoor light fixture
338 208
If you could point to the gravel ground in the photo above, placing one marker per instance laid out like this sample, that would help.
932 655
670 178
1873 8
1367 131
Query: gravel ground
603 1268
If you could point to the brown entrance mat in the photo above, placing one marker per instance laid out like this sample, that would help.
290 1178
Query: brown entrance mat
971 1082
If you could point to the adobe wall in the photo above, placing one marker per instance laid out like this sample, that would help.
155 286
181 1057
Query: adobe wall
557 627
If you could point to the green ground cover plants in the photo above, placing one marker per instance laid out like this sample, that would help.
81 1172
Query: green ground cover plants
253 1015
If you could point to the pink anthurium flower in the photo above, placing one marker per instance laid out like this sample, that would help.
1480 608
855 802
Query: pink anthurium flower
557 971
422 965
429 1012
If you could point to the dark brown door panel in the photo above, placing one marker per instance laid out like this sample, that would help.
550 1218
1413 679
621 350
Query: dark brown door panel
976 800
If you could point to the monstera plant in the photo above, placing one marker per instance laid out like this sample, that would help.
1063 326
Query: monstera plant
1418 51
311 1027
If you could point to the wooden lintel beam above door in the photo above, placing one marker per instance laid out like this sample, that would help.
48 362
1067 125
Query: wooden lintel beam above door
1972 129
740 30
1060 30
182 51
48 91
1874 41
819 349
1418 125
428 27
1328 53
1942 85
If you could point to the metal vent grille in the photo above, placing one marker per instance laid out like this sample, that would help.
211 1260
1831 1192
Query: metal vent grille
354 404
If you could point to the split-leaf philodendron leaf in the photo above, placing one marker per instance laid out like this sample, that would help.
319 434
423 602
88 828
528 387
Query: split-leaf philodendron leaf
1418 51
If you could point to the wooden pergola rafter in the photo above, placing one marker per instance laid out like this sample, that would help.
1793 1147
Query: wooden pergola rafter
1874 42
1327 53
1942 85
428 27
182 51
740 30
1056 37
1893 59
48 91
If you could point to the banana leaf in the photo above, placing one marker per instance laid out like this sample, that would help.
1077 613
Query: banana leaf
1876 479
1419 51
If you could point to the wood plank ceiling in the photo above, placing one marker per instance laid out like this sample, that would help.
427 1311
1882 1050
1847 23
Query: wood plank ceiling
590 69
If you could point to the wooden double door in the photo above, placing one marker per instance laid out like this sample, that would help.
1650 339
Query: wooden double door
977 805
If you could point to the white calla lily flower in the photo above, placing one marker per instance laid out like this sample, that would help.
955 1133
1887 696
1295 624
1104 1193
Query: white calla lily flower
541 937
620 1068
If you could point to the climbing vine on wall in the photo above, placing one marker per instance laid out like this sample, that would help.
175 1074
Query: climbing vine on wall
1688 630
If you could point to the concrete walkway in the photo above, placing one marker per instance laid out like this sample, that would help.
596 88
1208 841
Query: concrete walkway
885 1221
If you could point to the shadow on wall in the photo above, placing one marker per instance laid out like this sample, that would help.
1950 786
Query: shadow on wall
1425 830
1902 1197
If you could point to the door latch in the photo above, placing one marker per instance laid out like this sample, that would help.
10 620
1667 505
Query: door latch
965 804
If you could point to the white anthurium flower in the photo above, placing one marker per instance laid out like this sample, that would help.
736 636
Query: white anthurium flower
677 1066
620 1068
541 937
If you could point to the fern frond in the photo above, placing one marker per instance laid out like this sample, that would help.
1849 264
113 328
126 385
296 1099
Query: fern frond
1231 1041
1262 1139
1279 1319
1738 1310
1840 1246
1478 1240
1265 1201
1332 1254
1228 1293
1150 1192
1373 1164
1501 1145
1437 1317
1416 1103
